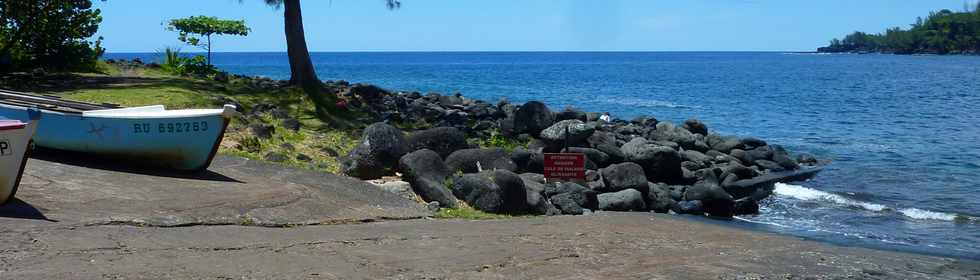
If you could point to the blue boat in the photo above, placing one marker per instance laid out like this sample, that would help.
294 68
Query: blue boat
179 139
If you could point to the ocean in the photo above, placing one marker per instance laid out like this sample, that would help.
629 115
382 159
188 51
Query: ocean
901 131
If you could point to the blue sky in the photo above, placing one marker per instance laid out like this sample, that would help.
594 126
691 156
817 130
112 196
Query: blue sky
522 25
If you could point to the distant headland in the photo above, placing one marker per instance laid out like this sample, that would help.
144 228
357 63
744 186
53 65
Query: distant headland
943 32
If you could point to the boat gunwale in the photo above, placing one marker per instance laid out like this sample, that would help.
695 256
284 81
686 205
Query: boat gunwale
217 112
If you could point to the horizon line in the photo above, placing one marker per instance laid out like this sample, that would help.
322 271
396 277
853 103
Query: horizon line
510 51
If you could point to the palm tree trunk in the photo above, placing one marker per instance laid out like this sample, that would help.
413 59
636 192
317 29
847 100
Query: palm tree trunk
301 68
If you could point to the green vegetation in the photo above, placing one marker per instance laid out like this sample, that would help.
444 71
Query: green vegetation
49 34
175 63
468 213
943 32
497 140
191 30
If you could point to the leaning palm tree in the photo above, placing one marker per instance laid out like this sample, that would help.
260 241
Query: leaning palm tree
301 68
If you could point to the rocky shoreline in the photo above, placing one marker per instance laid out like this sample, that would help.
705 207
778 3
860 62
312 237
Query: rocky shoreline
637 165
632 165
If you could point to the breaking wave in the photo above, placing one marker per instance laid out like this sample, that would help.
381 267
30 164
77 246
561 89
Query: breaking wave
808 194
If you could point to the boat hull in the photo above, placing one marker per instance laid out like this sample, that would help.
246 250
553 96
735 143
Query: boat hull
14 146
178 142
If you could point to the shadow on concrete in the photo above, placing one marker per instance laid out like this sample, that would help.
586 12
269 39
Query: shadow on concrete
123 165
18 209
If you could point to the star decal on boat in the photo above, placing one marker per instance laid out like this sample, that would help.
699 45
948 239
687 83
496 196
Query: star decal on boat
97 130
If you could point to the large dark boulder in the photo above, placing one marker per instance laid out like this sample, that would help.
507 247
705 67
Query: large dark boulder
571 198
498 191
624 200
693 207
722 143
716 201
377 153
532 117
623 176
442 140
660 163
781 157
489 159
571 114
574 132
428 176
668 132
658 197
613 152
596 156
696 126
368 92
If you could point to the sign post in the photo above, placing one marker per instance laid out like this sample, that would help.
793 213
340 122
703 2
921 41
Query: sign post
564 167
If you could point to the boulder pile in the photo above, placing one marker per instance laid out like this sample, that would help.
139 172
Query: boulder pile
637 165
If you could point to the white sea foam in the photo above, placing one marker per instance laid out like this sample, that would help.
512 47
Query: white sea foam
650 103
804 193
919 214
808 194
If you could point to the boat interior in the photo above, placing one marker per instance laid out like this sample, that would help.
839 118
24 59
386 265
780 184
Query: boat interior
49 102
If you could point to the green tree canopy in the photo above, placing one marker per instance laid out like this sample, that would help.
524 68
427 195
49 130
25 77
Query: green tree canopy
942 32
49 34
192 29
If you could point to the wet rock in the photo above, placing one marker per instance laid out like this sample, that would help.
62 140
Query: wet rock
466 160
769 165
805 158
660 163
622 176
693 207
442 140
766 182
532 118
428 176
377 153
746 206
624 200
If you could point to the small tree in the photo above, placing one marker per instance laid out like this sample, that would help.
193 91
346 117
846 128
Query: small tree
193 28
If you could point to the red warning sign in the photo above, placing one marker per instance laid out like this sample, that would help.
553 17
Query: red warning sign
564 167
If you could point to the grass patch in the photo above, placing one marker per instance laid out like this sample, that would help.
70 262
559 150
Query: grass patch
173 93
496 140
320 146
468 213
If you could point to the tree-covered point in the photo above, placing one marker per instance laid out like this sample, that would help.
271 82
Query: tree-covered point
943 32
49 34
190 30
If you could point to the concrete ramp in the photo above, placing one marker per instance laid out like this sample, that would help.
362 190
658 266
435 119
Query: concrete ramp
63 187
